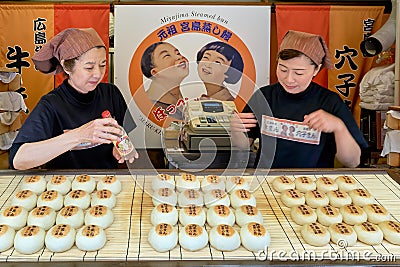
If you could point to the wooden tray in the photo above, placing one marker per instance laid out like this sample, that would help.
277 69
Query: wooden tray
127 237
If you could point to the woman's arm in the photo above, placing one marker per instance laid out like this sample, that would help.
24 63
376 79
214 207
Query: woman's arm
348 152
241 123
31 155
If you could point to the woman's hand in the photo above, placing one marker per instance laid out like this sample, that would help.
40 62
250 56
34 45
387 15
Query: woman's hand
243 122
323 121
239 125
101 131
348 151
120 159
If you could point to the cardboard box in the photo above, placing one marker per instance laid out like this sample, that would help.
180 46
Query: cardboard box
392 122
4 159
393 159
14 85
16 125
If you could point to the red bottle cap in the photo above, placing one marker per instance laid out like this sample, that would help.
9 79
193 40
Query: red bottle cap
106 114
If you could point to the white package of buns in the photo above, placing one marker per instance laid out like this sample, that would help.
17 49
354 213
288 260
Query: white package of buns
60 238
111 183
254 237
315 234
84 182
304 184
224 237
193 237
29 239
60 183
242 197
220 214
282 183
192 215
247 214
162 180
25 198
7 235
52 199
163 237
90 238
14 216
36 184
42 216
71 215
164 213
212 182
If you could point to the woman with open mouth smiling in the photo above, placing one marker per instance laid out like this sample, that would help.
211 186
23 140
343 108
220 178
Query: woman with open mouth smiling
166 67
219 63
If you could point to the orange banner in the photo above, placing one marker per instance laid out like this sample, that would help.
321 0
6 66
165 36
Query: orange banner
312 19
343 27
26 28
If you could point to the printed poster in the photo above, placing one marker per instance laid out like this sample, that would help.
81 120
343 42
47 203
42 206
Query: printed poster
166 55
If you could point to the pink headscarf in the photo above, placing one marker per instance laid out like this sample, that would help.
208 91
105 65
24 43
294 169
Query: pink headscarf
68 44
311 45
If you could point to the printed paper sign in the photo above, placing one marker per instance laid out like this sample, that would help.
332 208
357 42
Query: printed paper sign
290 130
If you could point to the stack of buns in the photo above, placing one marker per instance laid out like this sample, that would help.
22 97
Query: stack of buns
337 209
217 210
59 213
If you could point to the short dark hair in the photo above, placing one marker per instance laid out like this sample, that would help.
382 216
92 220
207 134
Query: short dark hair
235 70
287 54
69 64
146 63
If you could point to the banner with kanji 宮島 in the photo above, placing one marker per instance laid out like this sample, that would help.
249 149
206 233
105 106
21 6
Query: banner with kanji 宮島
343 28
25 28
182 39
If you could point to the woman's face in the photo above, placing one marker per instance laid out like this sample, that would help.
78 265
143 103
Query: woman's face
88 71
212 67
296 74
168 62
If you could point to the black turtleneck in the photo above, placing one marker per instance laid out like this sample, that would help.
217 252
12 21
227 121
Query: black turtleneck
80 97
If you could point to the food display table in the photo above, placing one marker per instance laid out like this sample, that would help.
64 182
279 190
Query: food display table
127 242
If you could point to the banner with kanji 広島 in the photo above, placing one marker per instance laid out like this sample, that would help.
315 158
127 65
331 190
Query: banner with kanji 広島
25 28
343 28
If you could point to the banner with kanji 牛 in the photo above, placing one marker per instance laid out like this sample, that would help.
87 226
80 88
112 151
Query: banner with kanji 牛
343 28
25 28
148 39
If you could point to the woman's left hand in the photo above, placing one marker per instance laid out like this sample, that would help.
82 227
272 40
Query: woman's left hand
120 159
323 121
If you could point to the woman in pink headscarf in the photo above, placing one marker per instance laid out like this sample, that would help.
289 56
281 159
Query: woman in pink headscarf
323 126
65 129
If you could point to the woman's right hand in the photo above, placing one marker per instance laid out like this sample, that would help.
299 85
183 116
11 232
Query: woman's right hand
243 122
240 124
102 131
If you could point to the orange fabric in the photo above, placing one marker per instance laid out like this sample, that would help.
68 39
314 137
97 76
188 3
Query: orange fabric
95 16
17 24
28 26
350 65
311 19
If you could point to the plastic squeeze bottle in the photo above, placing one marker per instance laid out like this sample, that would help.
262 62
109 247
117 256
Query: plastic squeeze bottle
123 144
